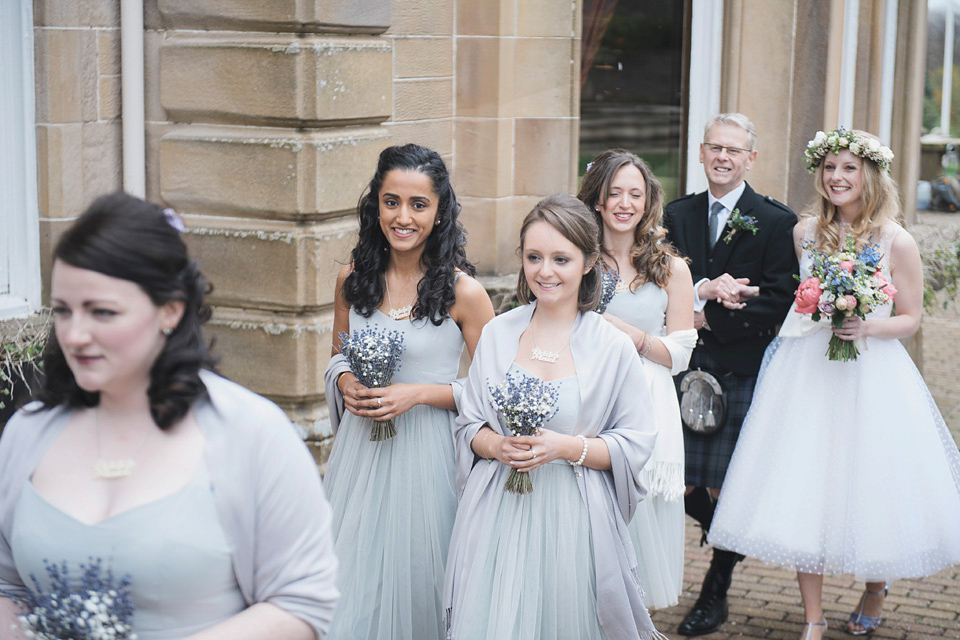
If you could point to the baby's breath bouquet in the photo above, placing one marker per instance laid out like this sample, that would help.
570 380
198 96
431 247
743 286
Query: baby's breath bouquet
849 282
91 608
608 288
374 354
525 402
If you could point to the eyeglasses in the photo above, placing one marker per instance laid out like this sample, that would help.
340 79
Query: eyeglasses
733 152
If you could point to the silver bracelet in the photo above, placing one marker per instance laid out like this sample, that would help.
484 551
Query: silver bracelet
583 454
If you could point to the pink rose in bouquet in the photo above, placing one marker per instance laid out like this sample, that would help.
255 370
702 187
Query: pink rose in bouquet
847 265
885 285
808 295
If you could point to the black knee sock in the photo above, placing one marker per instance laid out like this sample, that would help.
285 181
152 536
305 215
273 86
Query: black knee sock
700 505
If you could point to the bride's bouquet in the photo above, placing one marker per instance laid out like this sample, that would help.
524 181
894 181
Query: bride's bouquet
526 403
373 355
847 283
91 608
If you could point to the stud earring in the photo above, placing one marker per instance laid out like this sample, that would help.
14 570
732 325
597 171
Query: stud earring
167 331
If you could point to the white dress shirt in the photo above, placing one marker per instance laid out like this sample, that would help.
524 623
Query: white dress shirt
729 201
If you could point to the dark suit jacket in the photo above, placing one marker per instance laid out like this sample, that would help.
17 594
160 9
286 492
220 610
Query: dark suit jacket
737 339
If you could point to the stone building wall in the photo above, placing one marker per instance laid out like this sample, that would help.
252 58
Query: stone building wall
265 120
77 82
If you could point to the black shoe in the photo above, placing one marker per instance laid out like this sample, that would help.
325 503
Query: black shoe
710 610
707 616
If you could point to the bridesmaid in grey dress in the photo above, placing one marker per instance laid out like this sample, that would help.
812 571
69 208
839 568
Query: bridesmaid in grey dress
199 491
555 563
654 307
394 500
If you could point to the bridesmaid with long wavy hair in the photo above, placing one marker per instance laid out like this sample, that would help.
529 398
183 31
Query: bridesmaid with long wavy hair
653 305
394 500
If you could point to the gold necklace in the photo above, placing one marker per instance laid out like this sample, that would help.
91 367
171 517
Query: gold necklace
118 467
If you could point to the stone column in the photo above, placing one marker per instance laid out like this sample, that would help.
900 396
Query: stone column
782 68
77 89
775 54
265 122
517 116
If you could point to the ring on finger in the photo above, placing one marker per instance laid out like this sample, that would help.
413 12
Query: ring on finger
379 402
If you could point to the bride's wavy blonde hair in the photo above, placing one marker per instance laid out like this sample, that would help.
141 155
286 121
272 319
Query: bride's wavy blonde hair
879 204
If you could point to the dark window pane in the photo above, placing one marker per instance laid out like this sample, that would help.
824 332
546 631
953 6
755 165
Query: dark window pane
631 83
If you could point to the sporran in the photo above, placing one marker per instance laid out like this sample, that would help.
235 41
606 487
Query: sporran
701 403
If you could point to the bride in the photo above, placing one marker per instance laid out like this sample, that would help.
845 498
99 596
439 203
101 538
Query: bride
846 467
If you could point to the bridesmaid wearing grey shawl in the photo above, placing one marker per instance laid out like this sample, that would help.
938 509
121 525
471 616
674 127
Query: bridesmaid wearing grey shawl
556 562
198 490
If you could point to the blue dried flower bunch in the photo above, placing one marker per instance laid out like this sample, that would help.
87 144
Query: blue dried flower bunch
373 354
525 403
608 288
91 608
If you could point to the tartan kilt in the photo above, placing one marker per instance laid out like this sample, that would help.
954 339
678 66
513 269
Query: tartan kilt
708 456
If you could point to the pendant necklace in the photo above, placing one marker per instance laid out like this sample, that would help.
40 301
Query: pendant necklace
544 356
118 467
395 314
621 286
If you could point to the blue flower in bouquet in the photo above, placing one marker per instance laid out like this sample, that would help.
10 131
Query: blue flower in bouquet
609 281
373 354
526 403
94 607
870 255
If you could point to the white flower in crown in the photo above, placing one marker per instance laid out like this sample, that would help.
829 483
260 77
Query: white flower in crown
840 139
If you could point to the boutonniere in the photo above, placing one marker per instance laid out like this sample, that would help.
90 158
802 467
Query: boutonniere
738 222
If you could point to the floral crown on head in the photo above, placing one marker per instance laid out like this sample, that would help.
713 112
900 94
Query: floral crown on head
840 139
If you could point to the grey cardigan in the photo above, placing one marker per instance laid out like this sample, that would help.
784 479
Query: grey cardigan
267 489
616 406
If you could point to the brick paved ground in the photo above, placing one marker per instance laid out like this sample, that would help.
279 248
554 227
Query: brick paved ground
765 601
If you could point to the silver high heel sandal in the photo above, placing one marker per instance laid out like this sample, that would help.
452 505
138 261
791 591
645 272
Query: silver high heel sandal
869 623
810 625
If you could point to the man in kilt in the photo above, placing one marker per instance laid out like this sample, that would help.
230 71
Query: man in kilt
740 245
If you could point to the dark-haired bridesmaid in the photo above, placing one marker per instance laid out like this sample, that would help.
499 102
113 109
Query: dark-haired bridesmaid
395 499
199 491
